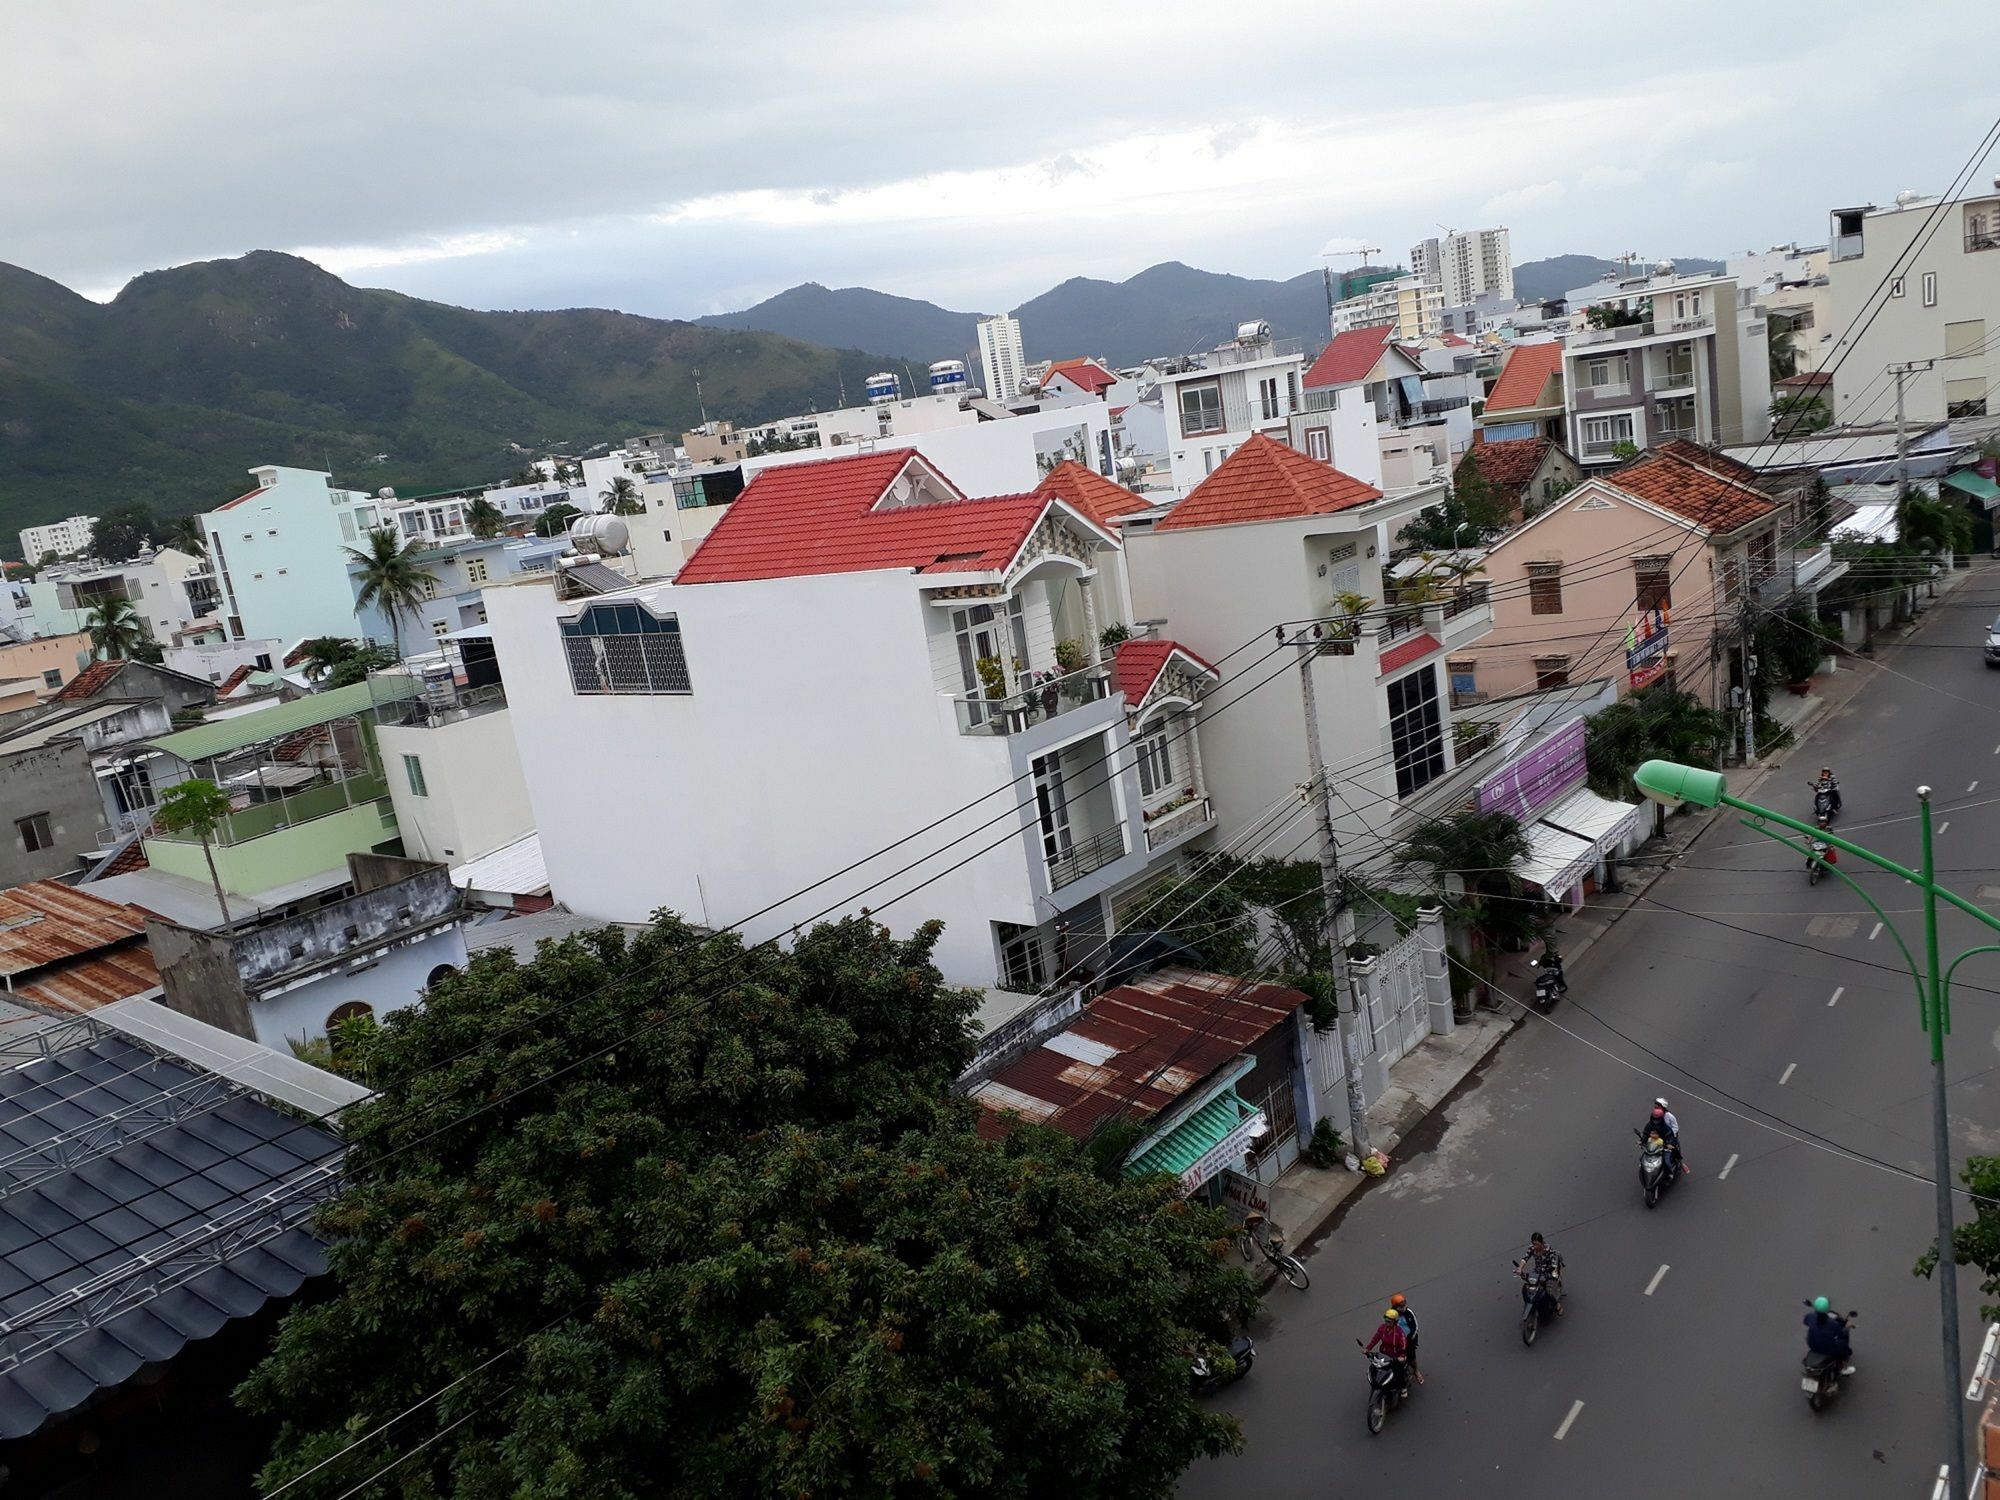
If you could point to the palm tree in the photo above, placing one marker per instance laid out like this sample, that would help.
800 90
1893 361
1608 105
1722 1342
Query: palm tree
622 499
196 807
323 653
1659 722
116 629
1481 849
484 517
185 534
391 578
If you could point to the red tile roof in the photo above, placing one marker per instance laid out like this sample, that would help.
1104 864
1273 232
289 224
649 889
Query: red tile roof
1704 497
1524 377
1403 653
234 680
1712 459
1165 1034
91 681
821 517
1509 465
298 653
125 861
1806 380
1453 341
1266 481
1136 666
251 495
1350 356
1090 492
1087 374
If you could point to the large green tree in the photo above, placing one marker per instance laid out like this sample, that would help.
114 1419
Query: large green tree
124 531
392 578
1659 722
1481 849
730 1233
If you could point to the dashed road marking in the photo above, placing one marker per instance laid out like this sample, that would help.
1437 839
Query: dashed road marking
1974 787
1786 1077
1944 825
1726 1166
1563 1431
1874 932
1838 991
1658 1277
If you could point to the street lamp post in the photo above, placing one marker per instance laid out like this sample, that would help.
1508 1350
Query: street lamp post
1671 784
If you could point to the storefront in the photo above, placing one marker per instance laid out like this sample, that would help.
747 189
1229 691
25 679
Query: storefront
1572 832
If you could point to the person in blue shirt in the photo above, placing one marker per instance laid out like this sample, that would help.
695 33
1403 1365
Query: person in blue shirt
1407 1316
1827 1333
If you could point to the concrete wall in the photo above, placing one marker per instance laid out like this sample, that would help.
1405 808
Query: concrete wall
198 976
391 980
283 856
476 798
55 780
65 655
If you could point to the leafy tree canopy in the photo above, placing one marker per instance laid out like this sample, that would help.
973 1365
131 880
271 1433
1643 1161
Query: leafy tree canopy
555 520
124 531
738 1238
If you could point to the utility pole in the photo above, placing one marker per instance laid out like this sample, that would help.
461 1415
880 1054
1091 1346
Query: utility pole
1747 632
1937 1020
1346 1015
1910 367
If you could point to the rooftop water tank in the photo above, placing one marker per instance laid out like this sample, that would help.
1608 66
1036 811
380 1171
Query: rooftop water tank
883 386
604 535
948 377
1256 331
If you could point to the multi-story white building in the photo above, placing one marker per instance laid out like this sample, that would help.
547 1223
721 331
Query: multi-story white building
279 554
1466 264
1655 358
1214 401
168 589
1791 287
939 654
1942 311
1413 307
1000 356
59 537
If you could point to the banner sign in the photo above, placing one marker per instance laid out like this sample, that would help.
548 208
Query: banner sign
1538 776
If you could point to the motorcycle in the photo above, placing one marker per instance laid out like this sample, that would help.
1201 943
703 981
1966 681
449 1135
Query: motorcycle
1550 986
1539 1301
1656 1168
1822 1377
1206 1377
1388 1387
1819 854
1824 811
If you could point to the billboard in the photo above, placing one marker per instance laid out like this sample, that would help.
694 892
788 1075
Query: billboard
1537 776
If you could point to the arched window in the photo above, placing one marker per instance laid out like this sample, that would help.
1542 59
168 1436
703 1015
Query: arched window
348 1012
439 975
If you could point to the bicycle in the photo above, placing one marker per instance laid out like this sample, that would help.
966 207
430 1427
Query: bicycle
1258 1233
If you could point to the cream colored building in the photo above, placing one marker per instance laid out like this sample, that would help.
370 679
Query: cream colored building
1409 302
47 661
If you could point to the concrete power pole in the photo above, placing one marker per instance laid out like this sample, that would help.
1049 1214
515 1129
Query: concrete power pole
1748 634
1346 1015
1902 428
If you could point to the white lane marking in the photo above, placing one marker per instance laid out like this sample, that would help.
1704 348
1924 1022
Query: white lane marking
1838 991
1874 932
1654 1285
1726 1167
1944 825
1563 1431
1786 1076
1973 788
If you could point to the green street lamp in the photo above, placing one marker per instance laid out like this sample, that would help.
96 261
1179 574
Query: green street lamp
1671 785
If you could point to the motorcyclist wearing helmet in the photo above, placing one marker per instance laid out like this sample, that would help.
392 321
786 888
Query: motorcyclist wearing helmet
1390 1338
1829 783
1401 1306
1542 1255
1827 1334
1661 1122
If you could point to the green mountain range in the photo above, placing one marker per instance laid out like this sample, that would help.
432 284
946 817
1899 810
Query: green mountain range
169 392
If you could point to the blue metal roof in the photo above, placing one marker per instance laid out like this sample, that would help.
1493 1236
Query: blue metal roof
176 1199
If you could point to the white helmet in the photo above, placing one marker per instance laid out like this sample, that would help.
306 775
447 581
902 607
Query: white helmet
1662 1103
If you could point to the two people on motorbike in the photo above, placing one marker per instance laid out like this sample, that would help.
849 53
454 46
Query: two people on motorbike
1397 1338
1828 1335
1662 1123
1828 783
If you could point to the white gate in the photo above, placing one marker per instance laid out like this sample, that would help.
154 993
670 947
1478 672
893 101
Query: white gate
1398 1005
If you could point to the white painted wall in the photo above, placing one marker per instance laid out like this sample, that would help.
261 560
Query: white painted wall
395 981
281 556
1352 430
475 798
985 458
214 663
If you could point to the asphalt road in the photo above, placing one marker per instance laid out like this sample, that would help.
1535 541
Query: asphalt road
1682 1340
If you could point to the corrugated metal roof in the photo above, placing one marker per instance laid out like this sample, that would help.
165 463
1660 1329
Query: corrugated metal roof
1188 1141
35 733
103 1217
515 869
206 741
274 1074
45 922
86 983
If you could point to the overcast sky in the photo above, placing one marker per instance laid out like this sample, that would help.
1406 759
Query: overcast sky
682 158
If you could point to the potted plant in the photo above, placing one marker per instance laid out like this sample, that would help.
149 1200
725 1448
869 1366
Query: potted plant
992 677
1069 654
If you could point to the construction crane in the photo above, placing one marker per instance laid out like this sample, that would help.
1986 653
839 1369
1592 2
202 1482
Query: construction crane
1363 252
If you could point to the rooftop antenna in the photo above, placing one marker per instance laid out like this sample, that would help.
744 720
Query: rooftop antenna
1626 260
699 403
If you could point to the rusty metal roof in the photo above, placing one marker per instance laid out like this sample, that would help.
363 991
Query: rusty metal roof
1136 1049
86 983
46 922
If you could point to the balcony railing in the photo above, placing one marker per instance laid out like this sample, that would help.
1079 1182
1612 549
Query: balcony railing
1250 354
1982 239
1468 597
1400 623
1055 694
292 808
1085 857
1672 380
1170 823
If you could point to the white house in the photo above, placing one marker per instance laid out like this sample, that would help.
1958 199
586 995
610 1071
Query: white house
1214 401
279 555
859 649
157 584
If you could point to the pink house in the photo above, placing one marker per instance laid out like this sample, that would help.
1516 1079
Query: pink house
1637 575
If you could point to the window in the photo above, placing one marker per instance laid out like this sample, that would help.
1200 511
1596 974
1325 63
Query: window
1963 340
1604 371
1201 409
666 536
1930 289
475 570
1208 460
52 678
353 1010
1292 390
1602 434
439 975
1896 287
1464 675
430 586
1156 765
1267 398
1965 398
34 832
1686 305
1551 672
1023 965
440 628
1416 730
625 648
1653 583
1319 444
1545 588
263 661
413 768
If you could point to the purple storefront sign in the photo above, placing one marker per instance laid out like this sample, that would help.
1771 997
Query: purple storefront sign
1536 778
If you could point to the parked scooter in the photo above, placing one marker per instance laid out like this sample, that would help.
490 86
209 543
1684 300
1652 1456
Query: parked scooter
1388 1386
1205 1376
1540 1299
1819 855
1656 1167
1822 1377
1550 986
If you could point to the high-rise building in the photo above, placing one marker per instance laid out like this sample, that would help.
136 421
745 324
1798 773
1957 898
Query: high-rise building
1000 356
59 537
1466 264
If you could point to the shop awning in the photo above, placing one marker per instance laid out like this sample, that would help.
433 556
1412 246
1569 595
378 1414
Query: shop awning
1973 483
1213 1137
1571 835
1604 822
1556 860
